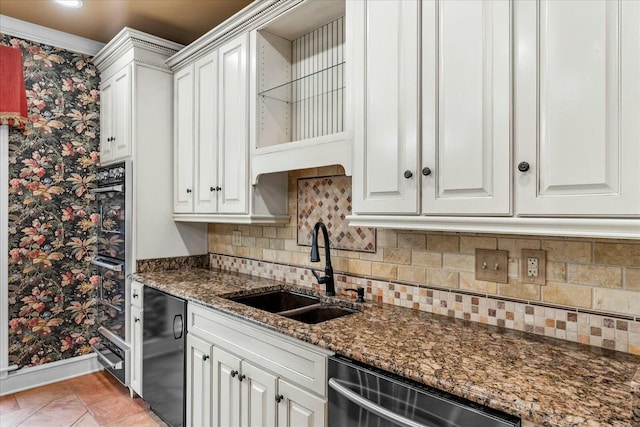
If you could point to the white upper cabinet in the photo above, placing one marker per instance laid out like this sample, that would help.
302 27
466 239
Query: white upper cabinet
578 107
206 128
530 116
466 105
184 144
386 104
233 126
196 136
211 143
115 117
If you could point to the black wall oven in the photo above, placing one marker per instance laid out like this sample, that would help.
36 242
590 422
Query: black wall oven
112 264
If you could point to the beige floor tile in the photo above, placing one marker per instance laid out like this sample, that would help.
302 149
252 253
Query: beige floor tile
40 396
62 412
8 404
142 419
86 420
110 410
14 418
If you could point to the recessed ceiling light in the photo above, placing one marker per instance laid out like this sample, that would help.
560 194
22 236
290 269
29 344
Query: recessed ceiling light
70 3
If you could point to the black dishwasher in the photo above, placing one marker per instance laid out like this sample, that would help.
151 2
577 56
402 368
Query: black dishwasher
163 361
363 396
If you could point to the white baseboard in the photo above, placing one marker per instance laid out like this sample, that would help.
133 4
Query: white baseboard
36 376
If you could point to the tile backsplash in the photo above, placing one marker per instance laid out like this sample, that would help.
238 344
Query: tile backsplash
592 294
328 199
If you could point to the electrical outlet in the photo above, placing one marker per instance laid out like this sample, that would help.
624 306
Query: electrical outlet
533 266
236 238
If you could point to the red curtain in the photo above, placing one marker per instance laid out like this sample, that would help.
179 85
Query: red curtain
13 98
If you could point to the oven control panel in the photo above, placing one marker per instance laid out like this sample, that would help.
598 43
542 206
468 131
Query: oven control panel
110 175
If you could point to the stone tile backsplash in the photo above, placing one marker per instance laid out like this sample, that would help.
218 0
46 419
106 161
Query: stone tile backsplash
606 330
592 284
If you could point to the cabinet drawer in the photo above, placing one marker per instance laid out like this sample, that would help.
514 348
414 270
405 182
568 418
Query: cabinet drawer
137 294
296 361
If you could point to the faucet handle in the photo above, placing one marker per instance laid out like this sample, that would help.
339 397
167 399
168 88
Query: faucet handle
318 278
360 292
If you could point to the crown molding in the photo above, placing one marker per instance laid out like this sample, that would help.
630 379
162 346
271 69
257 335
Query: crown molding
149 49
38 33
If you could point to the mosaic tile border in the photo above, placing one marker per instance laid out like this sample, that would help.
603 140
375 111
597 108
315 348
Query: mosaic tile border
328 199
606 330
175 263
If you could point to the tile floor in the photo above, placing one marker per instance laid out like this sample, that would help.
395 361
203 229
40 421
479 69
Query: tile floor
87 401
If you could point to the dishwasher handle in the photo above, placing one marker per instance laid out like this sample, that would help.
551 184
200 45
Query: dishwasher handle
372 407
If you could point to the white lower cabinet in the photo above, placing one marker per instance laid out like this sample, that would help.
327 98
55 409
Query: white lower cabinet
298 408
199 381
240 375
135 382
136 341
258 392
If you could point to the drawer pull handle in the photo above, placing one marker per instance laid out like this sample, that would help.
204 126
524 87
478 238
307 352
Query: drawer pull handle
279 398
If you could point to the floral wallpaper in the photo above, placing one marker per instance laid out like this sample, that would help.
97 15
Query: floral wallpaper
51 212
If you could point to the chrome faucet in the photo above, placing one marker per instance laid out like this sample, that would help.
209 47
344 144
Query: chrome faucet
327 279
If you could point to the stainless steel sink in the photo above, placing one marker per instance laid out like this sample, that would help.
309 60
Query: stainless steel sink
294 305
319 314
277 301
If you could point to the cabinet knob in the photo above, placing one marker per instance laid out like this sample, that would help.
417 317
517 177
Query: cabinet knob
136 319
241 377
135 295
426 171
212 189
408 174
188 190
218 188
279 398
523 166
234 373
205 357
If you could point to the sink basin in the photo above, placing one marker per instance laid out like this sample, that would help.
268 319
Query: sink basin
277 301
320 314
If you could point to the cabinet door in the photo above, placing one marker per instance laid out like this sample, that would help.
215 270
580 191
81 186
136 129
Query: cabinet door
385 58
578 107
258 397
233 126
122 114
466 106
106 121
299 408
226 389
206 128
183 140
136 350
198 382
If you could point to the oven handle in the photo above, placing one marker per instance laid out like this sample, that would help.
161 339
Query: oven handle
374 408
107 265
116 188
105 359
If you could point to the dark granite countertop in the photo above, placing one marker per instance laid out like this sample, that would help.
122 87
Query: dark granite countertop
546 381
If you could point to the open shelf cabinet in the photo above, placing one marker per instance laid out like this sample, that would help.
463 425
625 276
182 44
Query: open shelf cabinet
300 106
